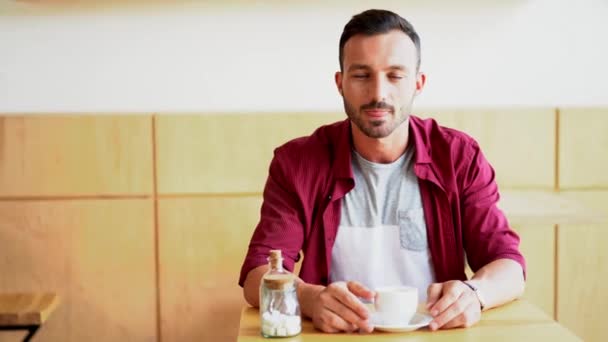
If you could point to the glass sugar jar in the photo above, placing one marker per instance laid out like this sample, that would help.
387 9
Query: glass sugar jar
279 306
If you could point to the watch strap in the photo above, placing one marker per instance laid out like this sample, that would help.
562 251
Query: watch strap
477 293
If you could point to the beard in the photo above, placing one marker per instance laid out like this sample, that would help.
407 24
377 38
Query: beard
376 128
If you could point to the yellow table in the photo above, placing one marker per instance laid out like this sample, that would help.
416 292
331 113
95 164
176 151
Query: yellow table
517 321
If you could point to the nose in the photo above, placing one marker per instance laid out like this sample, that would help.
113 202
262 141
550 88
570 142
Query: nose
379 89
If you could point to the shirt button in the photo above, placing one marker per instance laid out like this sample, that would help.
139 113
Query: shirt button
329 197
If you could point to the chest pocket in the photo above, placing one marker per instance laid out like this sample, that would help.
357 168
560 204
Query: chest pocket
412 230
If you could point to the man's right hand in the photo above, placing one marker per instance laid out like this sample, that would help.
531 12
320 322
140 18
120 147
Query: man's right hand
336 308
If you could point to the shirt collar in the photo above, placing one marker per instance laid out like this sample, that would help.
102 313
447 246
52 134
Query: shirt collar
342 166
421 139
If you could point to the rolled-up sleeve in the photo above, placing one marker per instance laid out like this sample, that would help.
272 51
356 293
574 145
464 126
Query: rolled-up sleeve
486 232
280 225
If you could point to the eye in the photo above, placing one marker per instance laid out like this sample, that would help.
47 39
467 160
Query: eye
395 77
360 76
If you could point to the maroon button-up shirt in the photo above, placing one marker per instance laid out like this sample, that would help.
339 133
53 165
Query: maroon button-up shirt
309 176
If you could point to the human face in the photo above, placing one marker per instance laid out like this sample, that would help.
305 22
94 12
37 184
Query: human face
379 81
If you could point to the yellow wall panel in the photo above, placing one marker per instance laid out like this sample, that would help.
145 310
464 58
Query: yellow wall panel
594 200
98 255
75 155
537 246
583 148
518 142
443 116
582 296
525 207
231 153
224 153
203 242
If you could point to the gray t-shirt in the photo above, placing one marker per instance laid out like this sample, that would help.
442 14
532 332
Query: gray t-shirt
382 238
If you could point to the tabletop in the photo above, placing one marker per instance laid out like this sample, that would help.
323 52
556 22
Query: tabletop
516 321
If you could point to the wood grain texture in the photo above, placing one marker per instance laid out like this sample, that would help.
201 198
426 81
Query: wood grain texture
61 155
525 207
582 298
224 153
519 142
582 255
23 309
231 153
594 200
517 321
583 156
537 244
203 242
97 255
538 247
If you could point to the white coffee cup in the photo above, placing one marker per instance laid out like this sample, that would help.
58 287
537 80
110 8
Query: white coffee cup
396 305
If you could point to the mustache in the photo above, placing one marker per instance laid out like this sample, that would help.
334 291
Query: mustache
378 105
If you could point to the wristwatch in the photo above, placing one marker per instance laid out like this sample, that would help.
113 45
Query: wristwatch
482 302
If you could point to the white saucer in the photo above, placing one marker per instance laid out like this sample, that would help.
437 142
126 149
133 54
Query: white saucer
418 321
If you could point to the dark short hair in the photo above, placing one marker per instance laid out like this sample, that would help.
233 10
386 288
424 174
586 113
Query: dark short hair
374 21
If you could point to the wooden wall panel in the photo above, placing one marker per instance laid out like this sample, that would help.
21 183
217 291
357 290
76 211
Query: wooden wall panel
98 255
203 242
538 247
518 142
525 207
75 155
224 153
583 153
582 296
444 117
582 256
594 200
215 154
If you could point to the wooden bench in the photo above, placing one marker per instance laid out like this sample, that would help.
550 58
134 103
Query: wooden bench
26 311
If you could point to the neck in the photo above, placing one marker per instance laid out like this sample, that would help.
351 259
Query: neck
381 150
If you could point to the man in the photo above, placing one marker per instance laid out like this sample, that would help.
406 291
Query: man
384 198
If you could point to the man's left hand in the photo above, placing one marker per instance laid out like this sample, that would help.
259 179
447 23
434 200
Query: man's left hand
452 304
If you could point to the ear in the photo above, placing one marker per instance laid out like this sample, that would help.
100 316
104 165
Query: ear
338 79
420 82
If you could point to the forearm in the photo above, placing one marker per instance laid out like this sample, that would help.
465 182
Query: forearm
251 286
500 281
306 292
